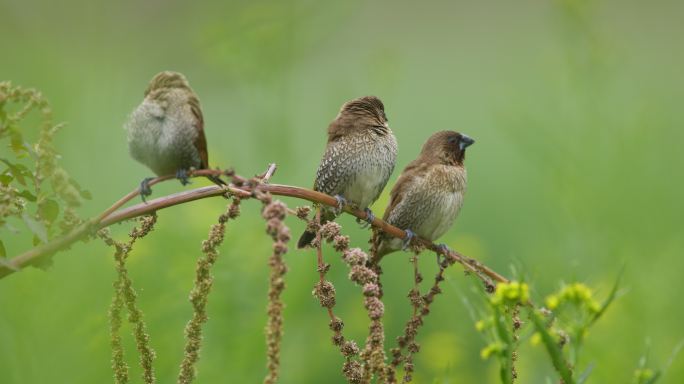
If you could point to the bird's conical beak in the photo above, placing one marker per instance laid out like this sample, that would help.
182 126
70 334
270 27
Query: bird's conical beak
465 142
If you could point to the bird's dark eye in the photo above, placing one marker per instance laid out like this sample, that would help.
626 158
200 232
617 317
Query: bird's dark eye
453 140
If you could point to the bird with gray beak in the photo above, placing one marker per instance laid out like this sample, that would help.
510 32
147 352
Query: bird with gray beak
429 193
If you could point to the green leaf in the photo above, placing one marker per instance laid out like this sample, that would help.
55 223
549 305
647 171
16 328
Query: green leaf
3 252
84 193
18 171
36 227
48 210
27 195
6 178
611 296
17 143
24 170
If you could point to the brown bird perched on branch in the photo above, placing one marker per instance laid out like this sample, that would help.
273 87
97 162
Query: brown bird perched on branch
358 160
166 131
429 193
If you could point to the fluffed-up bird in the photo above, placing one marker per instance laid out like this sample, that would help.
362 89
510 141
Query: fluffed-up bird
358 160
429 193
166 131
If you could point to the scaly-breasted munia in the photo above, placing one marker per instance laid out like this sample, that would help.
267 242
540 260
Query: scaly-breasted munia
429 193
166 131
358 160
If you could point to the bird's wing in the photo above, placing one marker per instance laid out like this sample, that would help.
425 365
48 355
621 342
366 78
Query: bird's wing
201 140
334 170
383 242
408 177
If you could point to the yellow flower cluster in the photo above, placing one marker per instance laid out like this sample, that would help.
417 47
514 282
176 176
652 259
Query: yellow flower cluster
643 375
576 293
491 349
511 293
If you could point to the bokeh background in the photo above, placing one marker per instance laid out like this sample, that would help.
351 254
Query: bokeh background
576 106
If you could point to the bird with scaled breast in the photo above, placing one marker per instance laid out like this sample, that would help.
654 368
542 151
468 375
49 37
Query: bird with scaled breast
166 131
428 195
358 160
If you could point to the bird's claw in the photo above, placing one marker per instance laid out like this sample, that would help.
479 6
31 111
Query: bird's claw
445 249
145 189
368 220
341 203
407 239
182 176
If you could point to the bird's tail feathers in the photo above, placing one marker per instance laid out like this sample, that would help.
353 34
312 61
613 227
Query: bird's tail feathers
306 239
308 236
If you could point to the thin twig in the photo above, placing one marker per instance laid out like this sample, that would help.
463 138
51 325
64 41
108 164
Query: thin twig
269 172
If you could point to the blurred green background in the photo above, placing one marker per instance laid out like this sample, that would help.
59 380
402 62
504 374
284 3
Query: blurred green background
576 106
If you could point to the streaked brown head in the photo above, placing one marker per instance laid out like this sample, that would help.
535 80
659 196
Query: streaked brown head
167 79
364 113
446 147
367 106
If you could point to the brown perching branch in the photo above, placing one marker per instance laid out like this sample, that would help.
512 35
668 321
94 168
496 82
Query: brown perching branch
240 187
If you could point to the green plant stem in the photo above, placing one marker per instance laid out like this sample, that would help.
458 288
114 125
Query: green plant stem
552 347
507 340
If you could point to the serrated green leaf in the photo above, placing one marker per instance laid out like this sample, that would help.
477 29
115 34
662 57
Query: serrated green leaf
36 227
48 210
